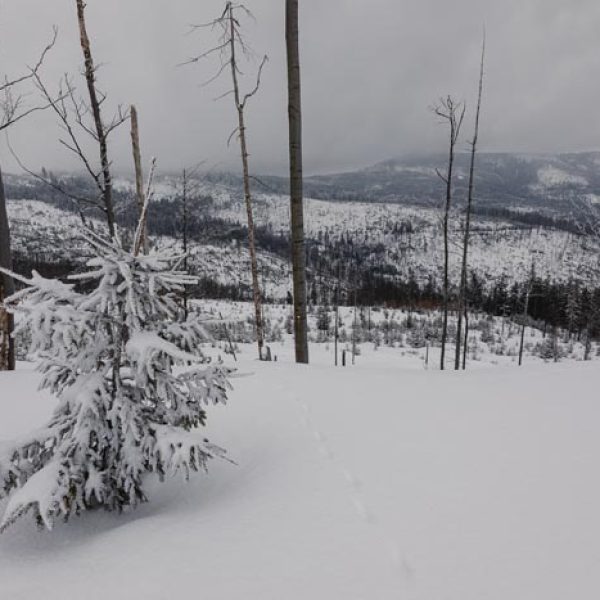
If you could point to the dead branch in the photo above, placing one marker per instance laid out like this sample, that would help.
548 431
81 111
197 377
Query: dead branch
139 234
12 104
257 86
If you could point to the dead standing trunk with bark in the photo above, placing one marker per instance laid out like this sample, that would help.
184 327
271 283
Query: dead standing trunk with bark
453 112
184 227
7 288
462 296
139 174
240 105
296 191
101 132
12 110
231 40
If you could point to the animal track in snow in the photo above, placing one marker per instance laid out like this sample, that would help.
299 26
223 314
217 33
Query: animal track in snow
362 511
352 480
400 564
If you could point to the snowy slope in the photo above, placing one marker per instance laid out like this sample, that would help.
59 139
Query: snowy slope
372 482
497 247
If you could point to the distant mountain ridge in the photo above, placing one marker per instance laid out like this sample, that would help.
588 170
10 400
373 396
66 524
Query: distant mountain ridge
547 184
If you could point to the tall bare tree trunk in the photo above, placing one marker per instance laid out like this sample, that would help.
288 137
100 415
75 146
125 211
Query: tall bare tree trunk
184 215
101 134
296 191
139 174
462 296
466 344
7 287
336 329
247 193
446 255
354 326
448 110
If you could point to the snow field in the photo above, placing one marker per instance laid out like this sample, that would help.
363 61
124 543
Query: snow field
370 482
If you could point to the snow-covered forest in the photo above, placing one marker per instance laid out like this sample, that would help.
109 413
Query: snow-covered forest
345 359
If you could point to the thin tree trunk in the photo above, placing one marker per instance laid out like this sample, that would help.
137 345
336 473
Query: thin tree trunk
354 332
296 191
523 327
336 330
185 243
448 110
462 305
445 299
525 313
7 288
228 338
90 77
588 344
555 343
139 175
247 193
466 344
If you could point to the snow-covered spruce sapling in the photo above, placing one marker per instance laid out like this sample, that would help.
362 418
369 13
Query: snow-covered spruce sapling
132 384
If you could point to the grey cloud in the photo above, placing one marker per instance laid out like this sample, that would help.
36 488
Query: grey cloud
370 71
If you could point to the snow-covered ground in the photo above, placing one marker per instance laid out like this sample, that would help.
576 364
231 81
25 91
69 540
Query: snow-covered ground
396 336
371 482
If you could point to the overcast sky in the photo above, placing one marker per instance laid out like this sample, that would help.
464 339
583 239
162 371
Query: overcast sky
370 69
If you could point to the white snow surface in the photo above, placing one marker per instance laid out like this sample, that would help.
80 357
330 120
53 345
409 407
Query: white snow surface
377 481
551 176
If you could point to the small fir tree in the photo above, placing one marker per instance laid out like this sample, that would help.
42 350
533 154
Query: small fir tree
131 380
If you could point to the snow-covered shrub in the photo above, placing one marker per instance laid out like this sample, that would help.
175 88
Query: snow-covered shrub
109 354
22 342
275 334
416 337
487 334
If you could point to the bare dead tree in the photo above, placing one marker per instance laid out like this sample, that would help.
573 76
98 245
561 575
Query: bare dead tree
296 191
337 321
139 174
184 227
354 328
12 110
101 131
138 240
462 293
186 191
231 44
466 342
453 114
81 122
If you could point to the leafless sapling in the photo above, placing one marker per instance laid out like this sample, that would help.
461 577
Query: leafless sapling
81 121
